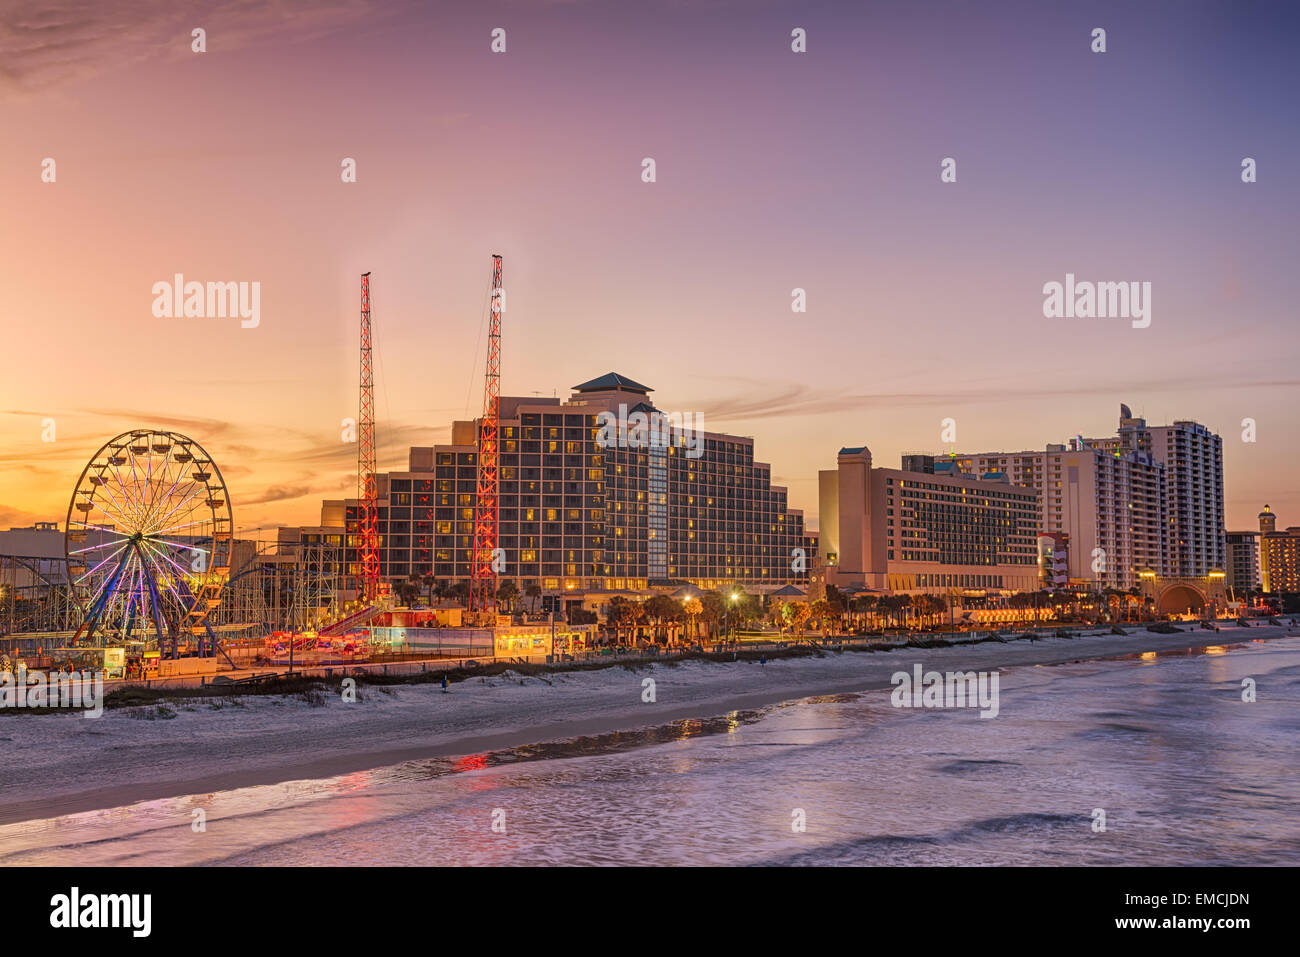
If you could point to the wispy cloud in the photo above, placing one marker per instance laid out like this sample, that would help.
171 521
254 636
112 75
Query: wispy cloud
765 400
15 517
50 43
279 493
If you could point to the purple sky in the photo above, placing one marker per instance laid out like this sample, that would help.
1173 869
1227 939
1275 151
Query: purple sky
775 170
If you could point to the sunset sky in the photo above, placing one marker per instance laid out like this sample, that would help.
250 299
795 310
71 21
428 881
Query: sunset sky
775 170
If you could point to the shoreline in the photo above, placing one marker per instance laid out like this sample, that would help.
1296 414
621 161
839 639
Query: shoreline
256 743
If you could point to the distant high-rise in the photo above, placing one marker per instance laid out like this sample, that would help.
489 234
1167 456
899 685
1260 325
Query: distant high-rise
1267 523
1243 561
1104 507
1191 457
1279 554
1144 499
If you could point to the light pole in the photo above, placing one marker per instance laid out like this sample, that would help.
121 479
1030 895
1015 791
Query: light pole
726 618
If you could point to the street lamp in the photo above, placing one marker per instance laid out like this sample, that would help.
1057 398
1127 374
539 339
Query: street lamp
727 617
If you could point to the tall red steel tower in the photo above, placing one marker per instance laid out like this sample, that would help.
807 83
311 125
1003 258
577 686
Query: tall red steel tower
483 583
367 484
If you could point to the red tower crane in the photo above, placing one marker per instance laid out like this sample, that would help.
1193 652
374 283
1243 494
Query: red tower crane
483 583
367 483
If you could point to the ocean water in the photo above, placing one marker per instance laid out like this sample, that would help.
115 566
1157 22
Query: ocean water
1184 770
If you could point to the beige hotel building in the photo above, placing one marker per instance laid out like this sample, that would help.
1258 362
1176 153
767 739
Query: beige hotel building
914 530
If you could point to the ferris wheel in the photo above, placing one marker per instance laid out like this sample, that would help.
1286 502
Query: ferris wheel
148 539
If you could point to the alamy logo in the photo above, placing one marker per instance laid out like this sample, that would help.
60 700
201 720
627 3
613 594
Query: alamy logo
1098 300
73 910
956 689
656 430
62 689
214 300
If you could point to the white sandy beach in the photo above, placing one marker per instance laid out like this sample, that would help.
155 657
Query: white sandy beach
63 764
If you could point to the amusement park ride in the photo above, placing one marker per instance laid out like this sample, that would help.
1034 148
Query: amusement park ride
148 543
367 481
483 581
149 546
150 535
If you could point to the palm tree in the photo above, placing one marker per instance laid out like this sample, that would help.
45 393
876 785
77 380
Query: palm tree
1132 601
435 587
693 607
745 608
820 610
865 605
617 615
904 606
534 592
715 607
938 604
639 616
657 613
837 606
920 605
1111 597
662 610
459 592
408 590
507 594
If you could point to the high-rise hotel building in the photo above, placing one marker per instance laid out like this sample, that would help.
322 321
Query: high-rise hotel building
1267 525
1279 554
1192 459
577 511
1145 499
919 529
1243 562
1106 507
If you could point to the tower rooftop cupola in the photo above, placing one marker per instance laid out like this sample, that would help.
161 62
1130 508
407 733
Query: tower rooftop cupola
613 382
